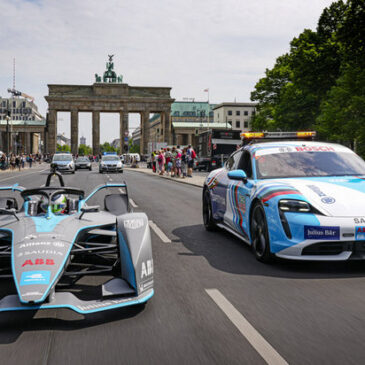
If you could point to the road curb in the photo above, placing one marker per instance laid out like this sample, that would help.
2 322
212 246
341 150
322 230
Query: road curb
178 180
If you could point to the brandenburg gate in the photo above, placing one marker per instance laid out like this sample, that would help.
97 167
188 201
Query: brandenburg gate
108 95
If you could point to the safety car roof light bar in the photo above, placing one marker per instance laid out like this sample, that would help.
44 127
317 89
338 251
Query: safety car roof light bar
278 135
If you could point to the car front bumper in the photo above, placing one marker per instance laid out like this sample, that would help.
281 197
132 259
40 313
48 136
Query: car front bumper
320 238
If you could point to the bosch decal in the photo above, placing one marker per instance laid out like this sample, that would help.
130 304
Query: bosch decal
318 232
315 149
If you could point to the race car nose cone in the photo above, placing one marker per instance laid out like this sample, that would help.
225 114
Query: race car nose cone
36 265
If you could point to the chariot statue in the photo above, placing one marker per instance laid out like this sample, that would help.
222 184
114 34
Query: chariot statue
109 75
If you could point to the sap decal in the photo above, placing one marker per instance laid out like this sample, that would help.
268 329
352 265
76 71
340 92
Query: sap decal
147 268
35 277
317 232
133 223
38 262
40 252
360 233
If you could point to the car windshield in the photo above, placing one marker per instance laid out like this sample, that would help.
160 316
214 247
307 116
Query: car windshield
82 159
62 158
309 164
110 158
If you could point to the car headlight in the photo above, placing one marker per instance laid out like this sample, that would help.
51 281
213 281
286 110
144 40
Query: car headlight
297 206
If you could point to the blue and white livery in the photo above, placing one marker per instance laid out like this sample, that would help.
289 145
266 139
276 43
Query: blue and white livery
291 199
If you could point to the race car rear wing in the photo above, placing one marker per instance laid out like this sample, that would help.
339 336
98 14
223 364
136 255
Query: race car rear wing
251 137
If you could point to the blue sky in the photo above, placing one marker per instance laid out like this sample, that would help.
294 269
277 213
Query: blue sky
188 45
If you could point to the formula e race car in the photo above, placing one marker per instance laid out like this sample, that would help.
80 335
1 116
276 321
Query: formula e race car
293 199
59 251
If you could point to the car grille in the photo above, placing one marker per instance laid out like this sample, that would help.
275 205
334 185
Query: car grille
334 248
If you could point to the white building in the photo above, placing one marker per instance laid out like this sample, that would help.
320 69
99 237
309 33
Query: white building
238 115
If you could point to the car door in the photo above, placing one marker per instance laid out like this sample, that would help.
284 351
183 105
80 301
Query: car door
238 197
232 164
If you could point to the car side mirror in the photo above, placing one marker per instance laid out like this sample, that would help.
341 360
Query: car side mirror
89 209
11 211
237 175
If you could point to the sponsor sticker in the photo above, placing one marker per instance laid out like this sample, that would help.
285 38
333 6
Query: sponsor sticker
133 223
35 277
324 233
147 268
328 200
360 233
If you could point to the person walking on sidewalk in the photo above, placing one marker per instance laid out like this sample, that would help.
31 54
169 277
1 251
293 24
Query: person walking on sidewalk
30 160
191 155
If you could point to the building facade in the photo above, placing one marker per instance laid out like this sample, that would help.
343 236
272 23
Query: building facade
238 115
23 130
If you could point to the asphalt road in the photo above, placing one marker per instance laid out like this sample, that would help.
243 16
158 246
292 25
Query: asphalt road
310 313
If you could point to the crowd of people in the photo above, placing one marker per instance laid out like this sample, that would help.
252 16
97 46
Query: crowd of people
19 161
174 162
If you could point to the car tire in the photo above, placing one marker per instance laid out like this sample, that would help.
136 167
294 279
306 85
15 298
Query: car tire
73 171
90 169
100 172
260 241
209 223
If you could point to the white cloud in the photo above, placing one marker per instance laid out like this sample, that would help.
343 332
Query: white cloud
188 45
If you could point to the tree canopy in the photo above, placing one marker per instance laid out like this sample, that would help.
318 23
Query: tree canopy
320 83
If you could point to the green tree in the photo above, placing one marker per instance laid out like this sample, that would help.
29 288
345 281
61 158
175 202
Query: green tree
107 147
85 150
64 148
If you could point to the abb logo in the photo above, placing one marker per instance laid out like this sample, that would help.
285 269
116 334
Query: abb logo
38 262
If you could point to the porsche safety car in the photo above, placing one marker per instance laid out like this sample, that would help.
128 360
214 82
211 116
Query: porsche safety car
300 200
53 239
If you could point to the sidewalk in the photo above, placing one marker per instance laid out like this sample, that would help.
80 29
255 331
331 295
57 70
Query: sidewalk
26 167
195 180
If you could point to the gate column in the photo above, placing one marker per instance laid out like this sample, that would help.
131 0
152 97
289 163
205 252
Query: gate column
96 133
123 128
52 131
145 131
74 131
167 127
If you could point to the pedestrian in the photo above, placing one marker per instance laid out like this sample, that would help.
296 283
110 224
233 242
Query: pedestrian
173 160
178 164
191 155
183 163
168 157
22 159
30 160
17 162
12 161
154 158
161 162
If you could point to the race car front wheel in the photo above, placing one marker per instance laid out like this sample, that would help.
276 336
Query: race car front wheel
207 212
260 234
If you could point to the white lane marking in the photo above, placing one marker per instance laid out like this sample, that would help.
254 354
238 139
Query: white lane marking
133 204
267 352
159 233
16 176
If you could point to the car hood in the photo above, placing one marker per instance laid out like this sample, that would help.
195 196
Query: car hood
62 162
333 196
110 162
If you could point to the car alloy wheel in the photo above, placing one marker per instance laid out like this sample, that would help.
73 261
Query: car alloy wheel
260 235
